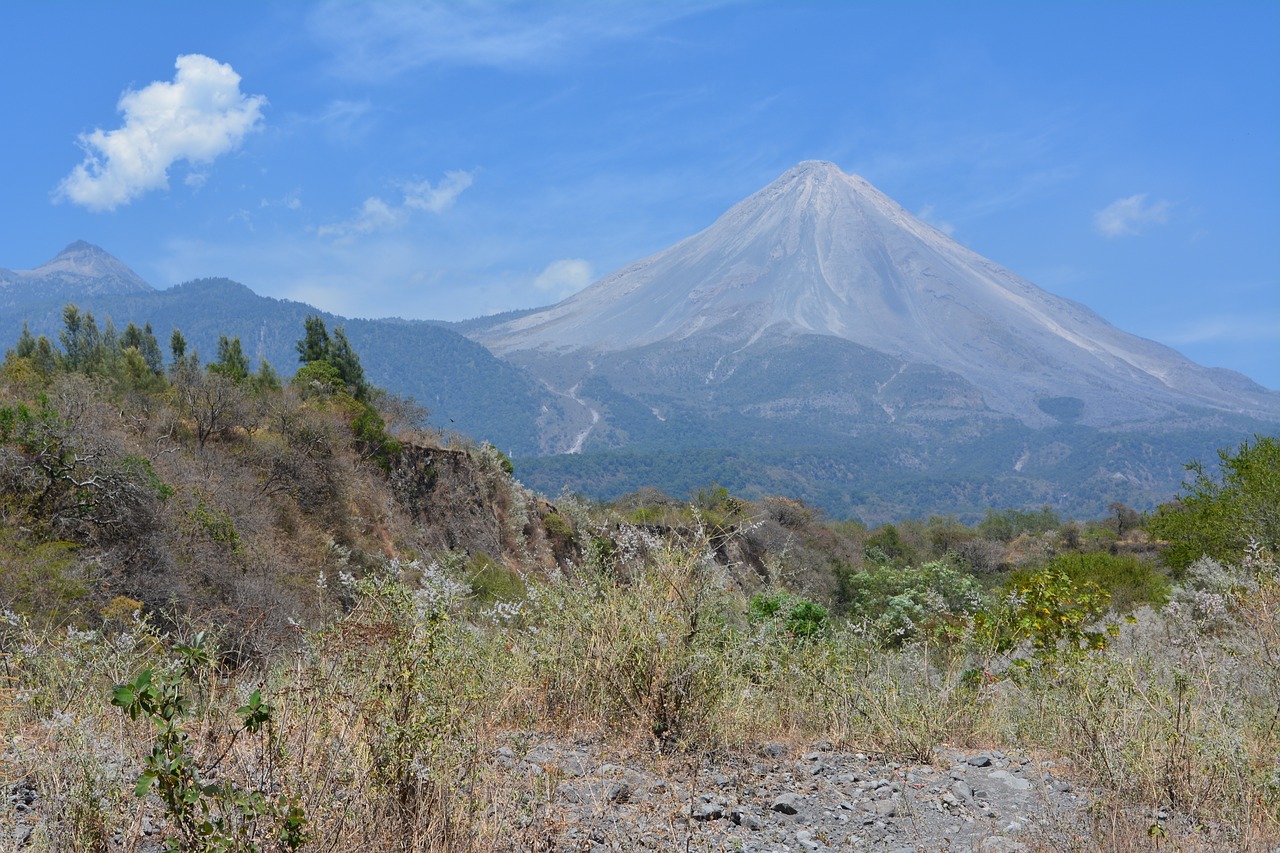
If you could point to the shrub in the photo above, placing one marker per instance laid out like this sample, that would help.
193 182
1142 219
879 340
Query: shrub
896 604
1129 580
1219 518
1049 612
799 617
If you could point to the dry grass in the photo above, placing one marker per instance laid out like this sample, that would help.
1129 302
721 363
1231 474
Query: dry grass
386 722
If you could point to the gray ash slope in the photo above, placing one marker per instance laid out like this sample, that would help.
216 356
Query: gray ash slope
822 253
831 341
80 270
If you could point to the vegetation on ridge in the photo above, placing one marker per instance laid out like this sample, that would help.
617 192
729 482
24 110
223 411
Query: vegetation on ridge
228 608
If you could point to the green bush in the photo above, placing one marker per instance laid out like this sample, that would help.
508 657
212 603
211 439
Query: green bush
1130 581
897 604
1051 612
799 617
1219 518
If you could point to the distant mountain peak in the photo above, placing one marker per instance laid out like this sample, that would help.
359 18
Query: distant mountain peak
819 252
80 271
78 247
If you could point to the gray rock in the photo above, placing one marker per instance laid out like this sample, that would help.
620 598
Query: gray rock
962 791
747 820
805 839
773 750
708 811
882 808
789 803
1015 783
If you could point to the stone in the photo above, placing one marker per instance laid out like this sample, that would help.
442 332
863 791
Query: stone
708 811
882 808
805 839
1014 783
787 804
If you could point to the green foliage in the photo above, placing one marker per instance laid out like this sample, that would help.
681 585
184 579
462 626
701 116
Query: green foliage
557 528
886 547
318 378
1051 612
718 509
38 579
1007 525
1129 580
897 604
1218 518
218 526
314 345
491 581
799 617
266 379
232 362
207 815
144 341
82 343
372 439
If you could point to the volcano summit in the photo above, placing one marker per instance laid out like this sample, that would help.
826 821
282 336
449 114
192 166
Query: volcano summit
817 316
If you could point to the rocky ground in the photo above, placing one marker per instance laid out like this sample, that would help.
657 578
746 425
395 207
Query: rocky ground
785 798
552 794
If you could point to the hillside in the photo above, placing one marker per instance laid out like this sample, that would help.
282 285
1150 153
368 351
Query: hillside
818 341
241 615
463 387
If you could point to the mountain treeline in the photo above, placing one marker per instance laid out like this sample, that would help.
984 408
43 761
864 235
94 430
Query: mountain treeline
243 614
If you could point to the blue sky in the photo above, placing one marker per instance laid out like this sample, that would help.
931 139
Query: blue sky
448 160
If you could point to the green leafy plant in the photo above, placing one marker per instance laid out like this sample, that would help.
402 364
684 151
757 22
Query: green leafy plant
799 617
208 815
1049 611
896 604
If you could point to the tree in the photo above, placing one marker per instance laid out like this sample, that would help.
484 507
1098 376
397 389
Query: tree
344 358
314 345
81 340
231 362
1219 518
177 346
144 341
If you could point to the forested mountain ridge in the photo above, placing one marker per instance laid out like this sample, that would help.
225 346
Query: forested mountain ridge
459 382
747 375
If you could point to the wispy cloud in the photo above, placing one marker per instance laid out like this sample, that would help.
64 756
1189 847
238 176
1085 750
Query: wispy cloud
198 117
564 278
382 40
377 215
423 196
1232 328
1129 216
929 214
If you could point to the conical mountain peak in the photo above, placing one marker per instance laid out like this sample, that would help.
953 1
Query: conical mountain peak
82 262
819 252
81 270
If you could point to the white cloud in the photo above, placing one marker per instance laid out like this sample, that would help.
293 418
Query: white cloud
1126 217
1230 328
377 215
927 214
198 117
422 196
382 39
565 277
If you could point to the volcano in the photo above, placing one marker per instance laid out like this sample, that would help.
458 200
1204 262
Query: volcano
819 260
